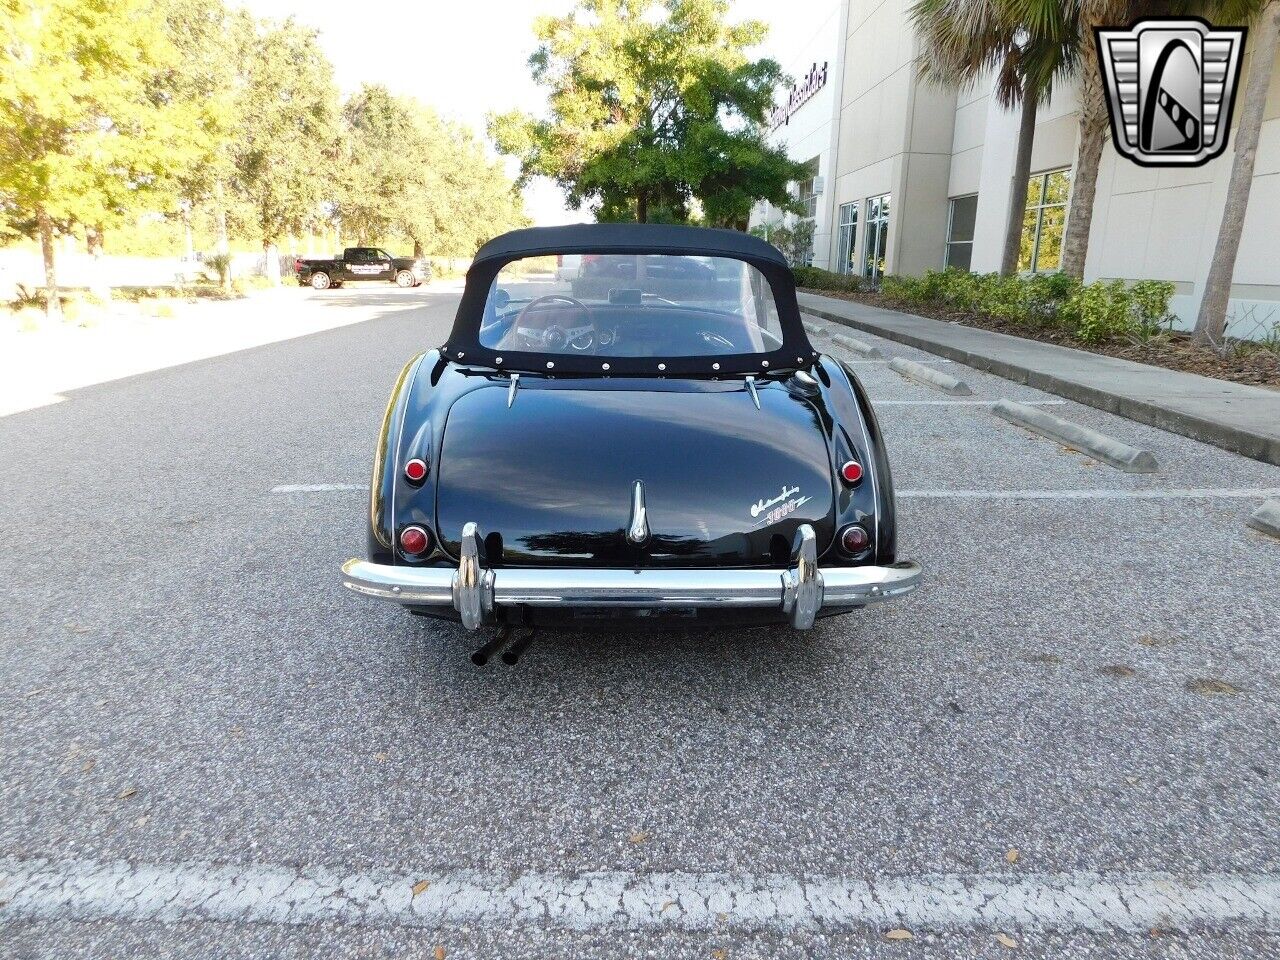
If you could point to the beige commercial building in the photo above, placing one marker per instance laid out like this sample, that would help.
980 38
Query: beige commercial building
918 177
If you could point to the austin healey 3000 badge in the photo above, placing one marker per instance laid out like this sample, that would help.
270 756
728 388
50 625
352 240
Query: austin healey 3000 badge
1171 84
783 505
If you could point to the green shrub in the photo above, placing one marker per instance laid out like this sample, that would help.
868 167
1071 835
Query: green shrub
1150 299
1099 311
217 267
816 278
961 289
1094 313
933 287
1045 295
1005 297
903 289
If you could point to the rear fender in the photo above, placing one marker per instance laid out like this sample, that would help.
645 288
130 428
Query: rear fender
857 431
414 427
388 482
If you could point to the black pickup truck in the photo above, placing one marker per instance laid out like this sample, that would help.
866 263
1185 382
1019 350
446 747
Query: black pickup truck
362 263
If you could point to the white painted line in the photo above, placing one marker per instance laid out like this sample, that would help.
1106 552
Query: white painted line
1200 493
176 893
318 487
958 403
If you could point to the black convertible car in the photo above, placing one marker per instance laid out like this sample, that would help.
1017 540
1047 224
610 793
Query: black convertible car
654 439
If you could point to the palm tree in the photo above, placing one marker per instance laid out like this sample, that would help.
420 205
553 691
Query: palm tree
1094 120
963 39
1211 322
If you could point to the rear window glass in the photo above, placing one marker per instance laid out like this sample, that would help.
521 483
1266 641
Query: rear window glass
631 305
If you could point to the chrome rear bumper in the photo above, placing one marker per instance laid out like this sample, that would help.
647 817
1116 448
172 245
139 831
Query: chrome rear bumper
474 590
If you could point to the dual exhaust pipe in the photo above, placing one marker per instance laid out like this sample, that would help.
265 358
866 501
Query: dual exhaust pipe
511 650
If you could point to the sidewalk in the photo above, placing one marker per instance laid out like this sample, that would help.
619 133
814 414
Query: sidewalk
1228 415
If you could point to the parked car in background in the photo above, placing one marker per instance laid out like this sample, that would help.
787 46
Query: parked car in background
363 264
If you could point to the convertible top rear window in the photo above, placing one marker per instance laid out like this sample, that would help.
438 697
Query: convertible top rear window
631 305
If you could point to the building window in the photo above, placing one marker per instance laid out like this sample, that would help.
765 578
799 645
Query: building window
808 200
877 237
847 239
807 191
964 210
1045 221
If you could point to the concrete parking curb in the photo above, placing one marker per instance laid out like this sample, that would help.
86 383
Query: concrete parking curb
1095 444
929 377
1266 518
1233 416
814 329
856 345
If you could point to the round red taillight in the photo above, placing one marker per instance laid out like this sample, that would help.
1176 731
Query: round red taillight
414 540
854 539
415 471
851 472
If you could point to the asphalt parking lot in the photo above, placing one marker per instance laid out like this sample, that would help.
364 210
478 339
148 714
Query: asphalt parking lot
1083 696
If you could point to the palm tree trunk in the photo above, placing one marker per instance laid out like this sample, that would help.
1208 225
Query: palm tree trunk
1018 187
53 306
1211 322
1092 136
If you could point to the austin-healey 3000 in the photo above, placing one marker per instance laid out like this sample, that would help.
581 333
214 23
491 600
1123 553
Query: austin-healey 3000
646 436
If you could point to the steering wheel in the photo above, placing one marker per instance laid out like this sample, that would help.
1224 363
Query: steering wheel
556 337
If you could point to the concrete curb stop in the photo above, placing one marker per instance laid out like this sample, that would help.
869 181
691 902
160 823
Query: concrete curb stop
930 378
814 329
1097 445
1266 518
856 345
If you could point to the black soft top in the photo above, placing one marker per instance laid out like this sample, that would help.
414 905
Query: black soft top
464 344
657 238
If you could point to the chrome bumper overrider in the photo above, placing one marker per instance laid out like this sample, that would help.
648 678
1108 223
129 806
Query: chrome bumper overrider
474 590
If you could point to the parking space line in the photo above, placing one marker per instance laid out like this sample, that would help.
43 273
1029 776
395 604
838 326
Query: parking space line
1198 493
174 893
959 403
318 487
